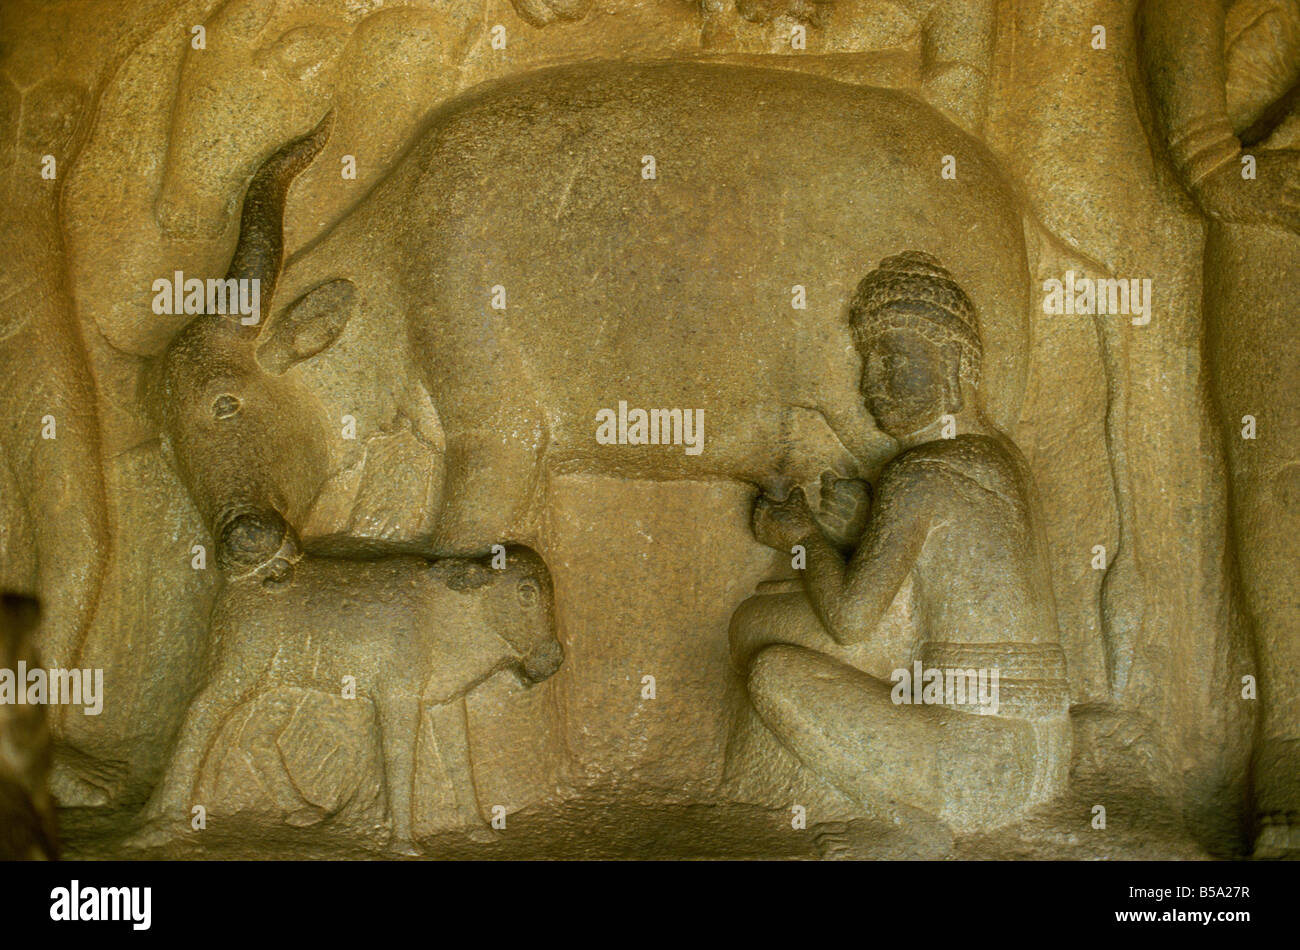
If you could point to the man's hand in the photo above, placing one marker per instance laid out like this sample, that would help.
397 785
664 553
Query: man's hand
1271 198
844 510
783 524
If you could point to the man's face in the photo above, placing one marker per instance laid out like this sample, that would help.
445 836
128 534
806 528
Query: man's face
905 381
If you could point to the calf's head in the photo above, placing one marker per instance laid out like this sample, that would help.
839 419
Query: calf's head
520 605
247 438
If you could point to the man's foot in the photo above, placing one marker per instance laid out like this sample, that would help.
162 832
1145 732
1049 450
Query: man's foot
866 840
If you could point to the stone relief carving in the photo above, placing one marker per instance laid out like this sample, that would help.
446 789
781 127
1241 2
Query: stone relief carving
1226 92
410 634
955 518
429 418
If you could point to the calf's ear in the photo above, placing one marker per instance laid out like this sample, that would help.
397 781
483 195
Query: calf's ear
310 324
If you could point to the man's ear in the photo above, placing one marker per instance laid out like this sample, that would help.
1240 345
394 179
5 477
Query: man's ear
952 360
310 324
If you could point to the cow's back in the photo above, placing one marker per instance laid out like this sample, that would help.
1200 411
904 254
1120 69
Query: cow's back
677 291
386 621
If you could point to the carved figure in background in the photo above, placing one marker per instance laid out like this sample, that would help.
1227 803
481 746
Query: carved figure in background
1225 82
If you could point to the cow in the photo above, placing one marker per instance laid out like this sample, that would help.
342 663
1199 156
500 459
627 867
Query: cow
562 241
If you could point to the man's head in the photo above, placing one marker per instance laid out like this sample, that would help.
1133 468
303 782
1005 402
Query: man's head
916 332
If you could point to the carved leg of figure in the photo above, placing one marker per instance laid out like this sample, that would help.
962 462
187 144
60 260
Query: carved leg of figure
971 771
1244 305
767 619
279 765
399 729
759 767
170 800
64 490
451 731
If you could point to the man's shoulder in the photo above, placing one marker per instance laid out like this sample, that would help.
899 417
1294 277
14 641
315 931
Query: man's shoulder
983 458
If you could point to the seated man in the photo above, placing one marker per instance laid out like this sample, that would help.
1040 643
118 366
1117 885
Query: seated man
955 517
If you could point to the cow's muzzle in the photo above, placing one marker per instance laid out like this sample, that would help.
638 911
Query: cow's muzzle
256 541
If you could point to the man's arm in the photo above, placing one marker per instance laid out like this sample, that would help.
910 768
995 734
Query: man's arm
851 598
1182 49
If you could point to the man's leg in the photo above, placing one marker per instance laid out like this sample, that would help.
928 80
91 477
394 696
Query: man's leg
972 771
767 619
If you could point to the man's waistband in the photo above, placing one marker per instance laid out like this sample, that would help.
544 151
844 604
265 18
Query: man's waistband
1031 684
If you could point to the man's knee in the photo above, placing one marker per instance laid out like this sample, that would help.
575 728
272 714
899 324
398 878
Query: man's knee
770 619
782 679
746 634
772 666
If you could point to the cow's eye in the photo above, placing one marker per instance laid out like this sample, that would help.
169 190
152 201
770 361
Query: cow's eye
527 593
225 406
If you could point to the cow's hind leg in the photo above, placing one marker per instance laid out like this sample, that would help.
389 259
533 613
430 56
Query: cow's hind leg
451 731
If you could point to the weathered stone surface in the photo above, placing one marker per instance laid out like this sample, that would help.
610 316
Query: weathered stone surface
966 328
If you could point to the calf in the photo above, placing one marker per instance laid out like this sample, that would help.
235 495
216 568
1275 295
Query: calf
416 635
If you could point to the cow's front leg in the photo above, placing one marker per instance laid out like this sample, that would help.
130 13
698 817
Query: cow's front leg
491 476
399 725
449 722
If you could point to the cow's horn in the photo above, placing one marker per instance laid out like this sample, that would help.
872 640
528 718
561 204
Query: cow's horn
260 250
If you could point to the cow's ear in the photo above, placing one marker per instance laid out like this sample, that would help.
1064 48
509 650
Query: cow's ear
309 325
